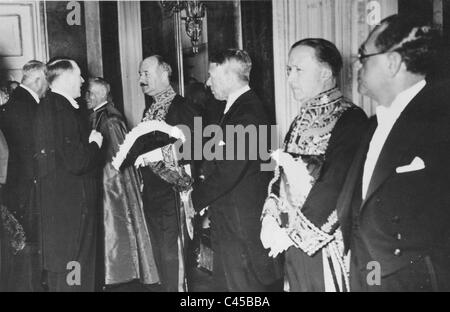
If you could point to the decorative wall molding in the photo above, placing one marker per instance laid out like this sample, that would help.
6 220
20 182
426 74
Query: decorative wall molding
23 25
130 42
343 22
93 38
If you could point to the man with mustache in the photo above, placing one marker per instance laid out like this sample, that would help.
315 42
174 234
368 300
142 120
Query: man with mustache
161 197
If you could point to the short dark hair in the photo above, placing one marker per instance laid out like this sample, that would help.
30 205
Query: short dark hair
326 52
413 38
58 66
240 56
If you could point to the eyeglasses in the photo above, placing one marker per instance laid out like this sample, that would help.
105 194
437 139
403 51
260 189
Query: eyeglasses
362 56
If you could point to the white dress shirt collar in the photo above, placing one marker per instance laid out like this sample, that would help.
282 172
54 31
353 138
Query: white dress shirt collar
234 96
100 106
68 97
390 114
33 94
386 118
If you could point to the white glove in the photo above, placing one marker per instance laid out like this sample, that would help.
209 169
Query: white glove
274 237
268 225
152 156
281 242
296 172
96 137
282 158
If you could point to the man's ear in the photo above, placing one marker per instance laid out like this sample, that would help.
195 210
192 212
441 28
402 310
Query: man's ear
394 63
165 75
326 73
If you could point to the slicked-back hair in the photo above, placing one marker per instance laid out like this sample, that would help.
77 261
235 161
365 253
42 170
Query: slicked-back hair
240 57
325 52
415 40
56 67
32 67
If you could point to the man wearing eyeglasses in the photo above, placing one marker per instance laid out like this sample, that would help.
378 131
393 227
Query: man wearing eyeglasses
395 205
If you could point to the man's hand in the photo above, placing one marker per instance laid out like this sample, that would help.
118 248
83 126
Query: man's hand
274 237
282 159
268 226
96 137
152 156
281 243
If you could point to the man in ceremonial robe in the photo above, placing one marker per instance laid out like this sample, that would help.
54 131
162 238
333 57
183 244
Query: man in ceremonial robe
394 207
161 193
128 250
299 216
67 162
17 119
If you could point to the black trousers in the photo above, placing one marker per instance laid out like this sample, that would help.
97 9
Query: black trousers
63 281
21 272
304 273
162 220
232 267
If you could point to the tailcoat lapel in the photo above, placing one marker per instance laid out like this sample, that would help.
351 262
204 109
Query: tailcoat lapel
405 133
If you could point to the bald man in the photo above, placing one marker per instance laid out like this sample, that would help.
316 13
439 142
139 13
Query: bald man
161 201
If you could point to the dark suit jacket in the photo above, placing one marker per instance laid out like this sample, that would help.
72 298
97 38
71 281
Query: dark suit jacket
66 169
17 120
236 189
405 217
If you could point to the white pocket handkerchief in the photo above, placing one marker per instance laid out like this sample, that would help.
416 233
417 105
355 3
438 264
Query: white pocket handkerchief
415 165
221 143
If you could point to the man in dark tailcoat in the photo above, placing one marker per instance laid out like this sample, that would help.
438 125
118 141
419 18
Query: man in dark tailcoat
394 207
235 189
17 118
67 160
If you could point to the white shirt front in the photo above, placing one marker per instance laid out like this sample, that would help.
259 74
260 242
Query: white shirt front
100 106
386 118
68 97
234 96
33 94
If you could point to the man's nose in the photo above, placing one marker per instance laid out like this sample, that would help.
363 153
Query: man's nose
290 77
82 80
208 82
